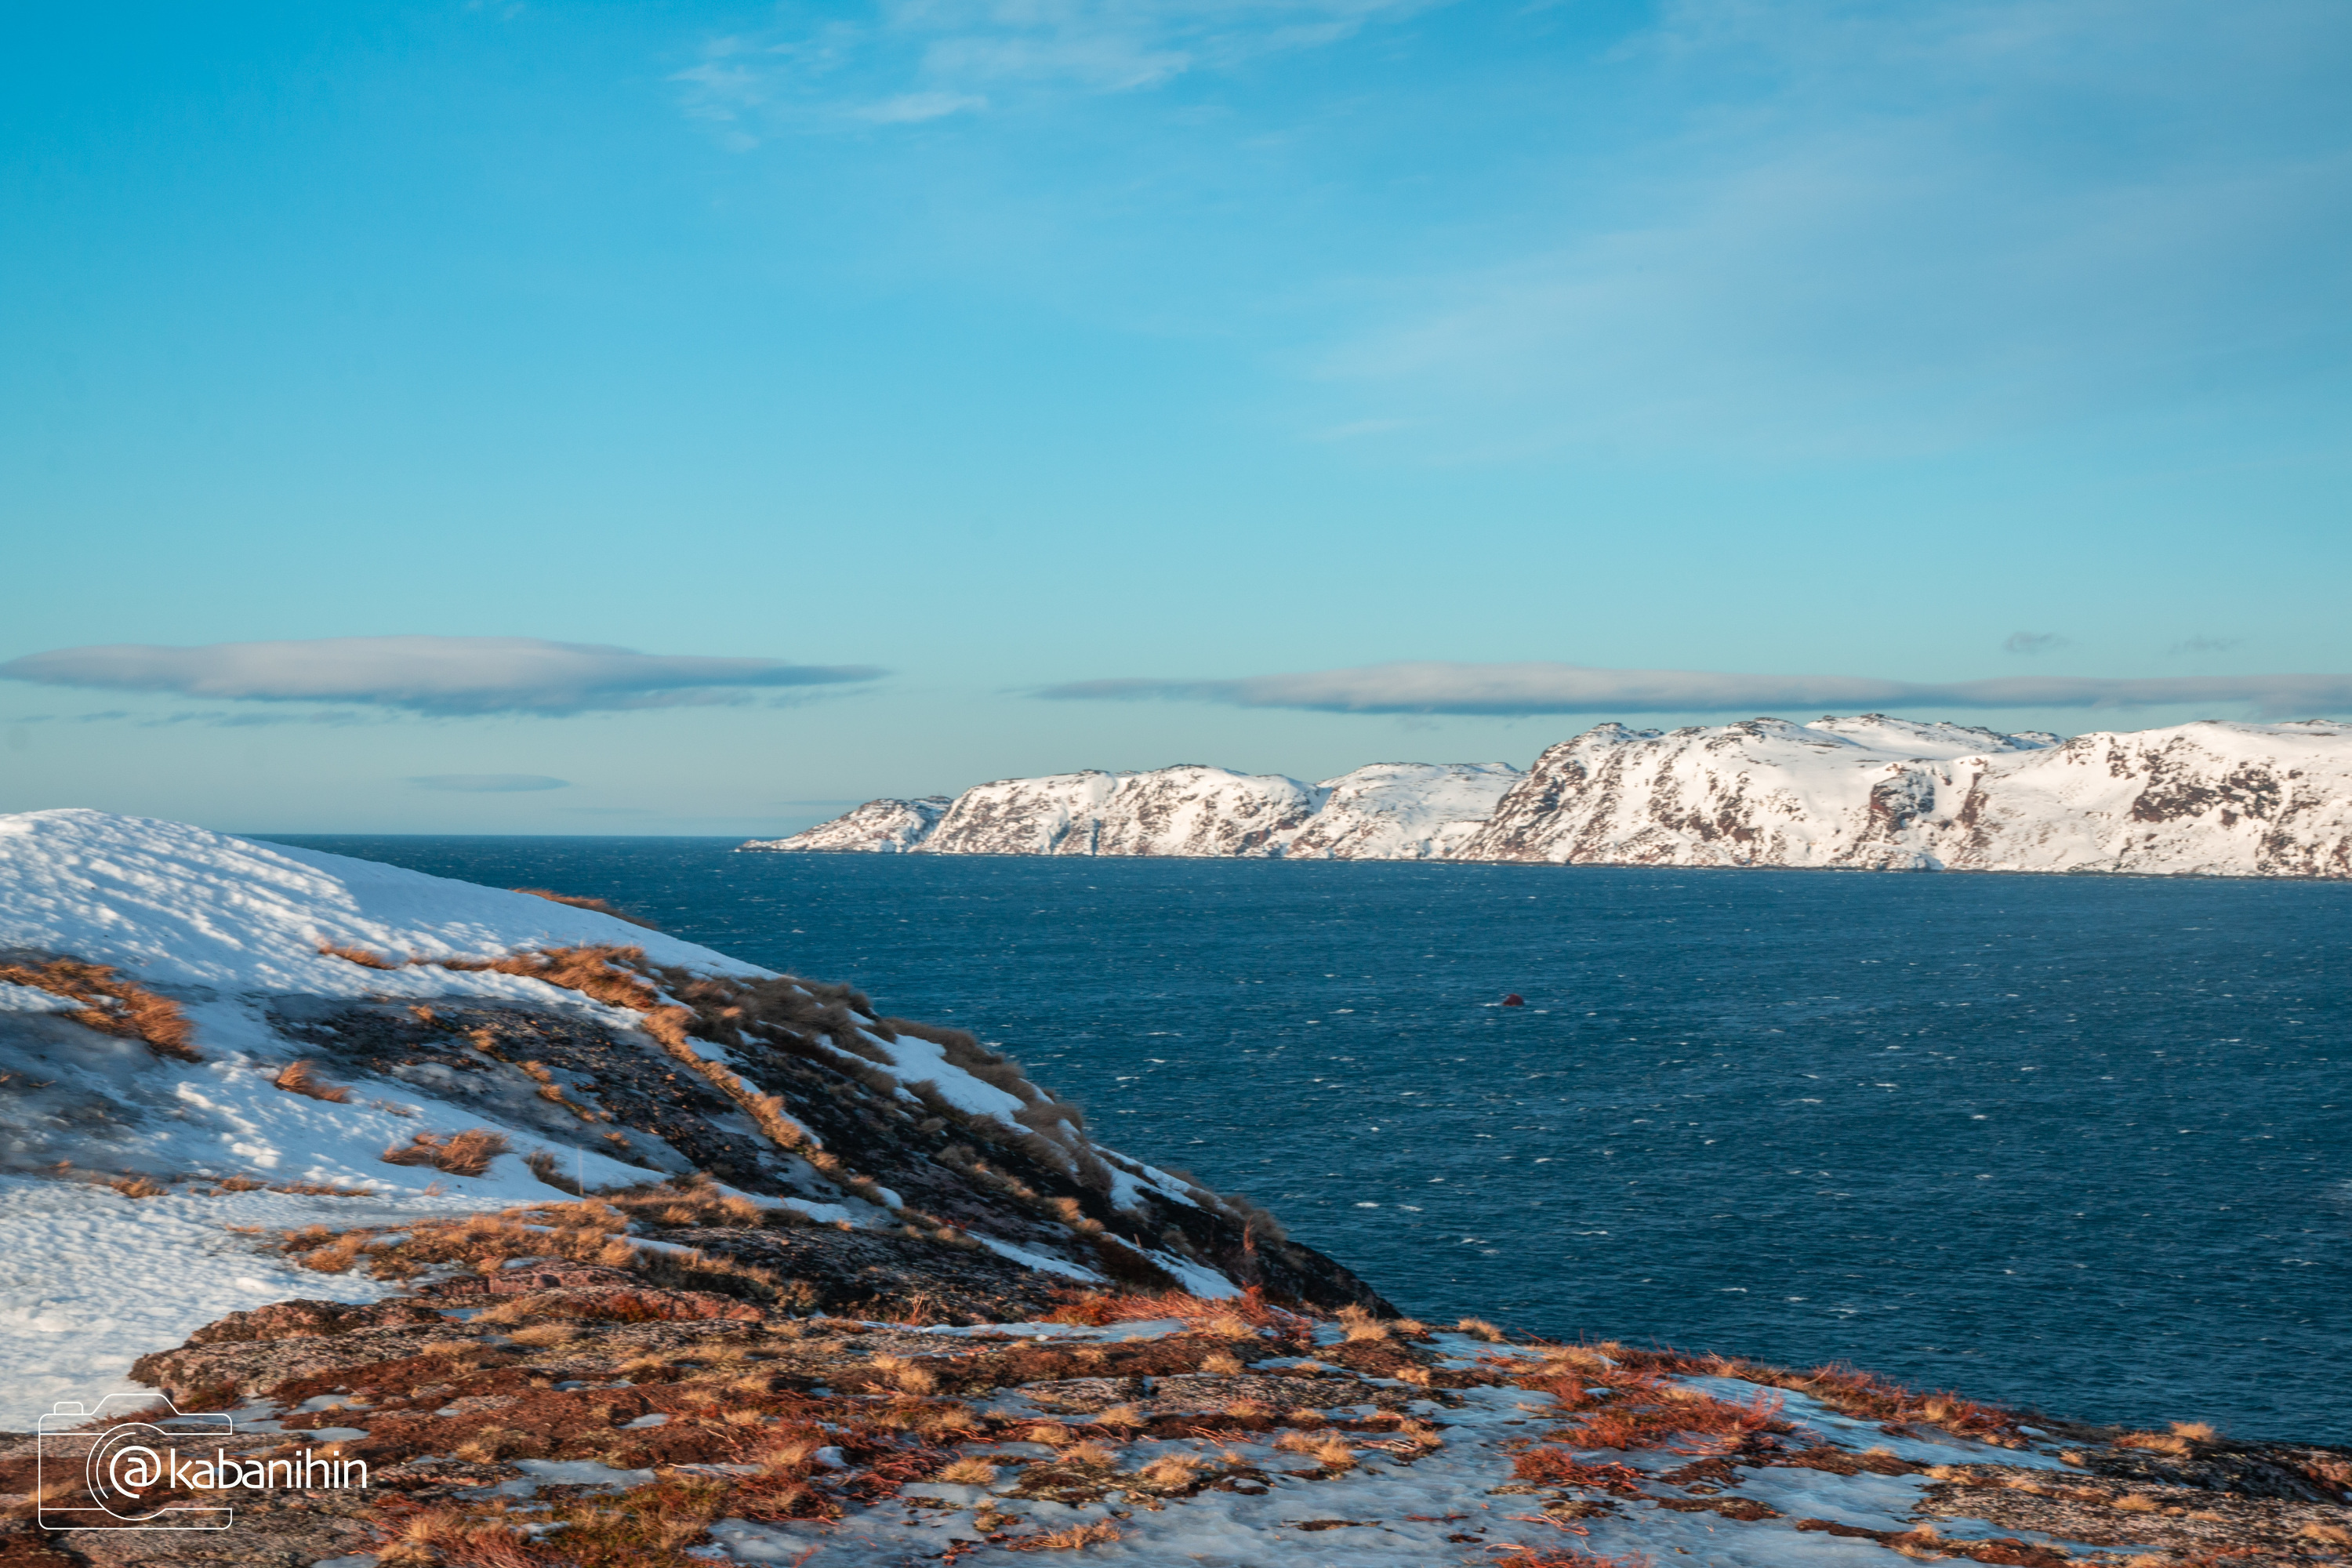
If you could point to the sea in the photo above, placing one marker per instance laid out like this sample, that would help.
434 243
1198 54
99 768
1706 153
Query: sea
2080 1144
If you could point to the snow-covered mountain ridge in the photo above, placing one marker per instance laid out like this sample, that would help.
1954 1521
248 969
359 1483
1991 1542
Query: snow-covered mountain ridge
1390 811
1866 792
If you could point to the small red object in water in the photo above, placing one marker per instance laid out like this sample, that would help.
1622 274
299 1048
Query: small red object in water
1515 1000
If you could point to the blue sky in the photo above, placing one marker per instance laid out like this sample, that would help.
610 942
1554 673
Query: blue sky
963 357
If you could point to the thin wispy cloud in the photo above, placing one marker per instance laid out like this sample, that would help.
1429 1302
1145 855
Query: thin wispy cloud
2206 644
1858 240
1525 690
2032 642
908 61
1817 230
434 675
488 783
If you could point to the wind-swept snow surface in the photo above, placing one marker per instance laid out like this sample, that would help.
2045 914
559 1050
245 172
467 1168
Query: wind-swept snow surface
181 905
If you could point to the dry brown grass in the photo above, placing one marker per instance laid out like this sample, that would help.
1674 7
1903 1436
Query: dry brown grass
1233 1317
969 1472
2138 1503
1091 1454
1561 1467
1479 1329
110 1005
907 1376
1362 1325
137 1186
2333 1534
599 905
605 972
1171 1471
539 1336
296 1077
324 1252
466 1153
1221 1363
2156 1442
358 955
1100 1534
1566 1557
2196 1431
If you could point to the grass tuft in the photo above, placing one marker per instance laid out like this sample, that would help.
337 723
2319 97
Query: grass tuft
466 1153
110 1005
296 1077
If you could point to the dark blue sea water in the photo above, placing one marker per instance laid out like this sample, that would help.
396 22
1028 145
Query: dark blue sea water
2078 1143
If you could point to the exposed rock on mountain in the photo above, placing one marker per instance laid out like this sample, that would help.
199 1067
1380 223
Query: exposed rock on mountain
1867 792
1390 811
2213 799
879 827
1402 811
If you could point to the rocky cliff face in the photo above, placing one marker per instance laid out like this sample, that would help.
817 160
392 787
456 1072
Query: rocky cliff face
1867 792
877 827
1390 811
2212 799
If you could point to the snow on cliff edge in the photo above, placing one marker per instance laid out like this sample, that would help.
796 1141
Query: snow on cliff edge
1866 792
2207 798
181 905
1390 811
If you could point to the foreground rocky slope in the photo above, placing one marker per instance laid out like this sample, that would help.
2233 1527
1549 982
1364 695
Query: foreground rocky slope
568 1412
186 1014
1865 792
838 1289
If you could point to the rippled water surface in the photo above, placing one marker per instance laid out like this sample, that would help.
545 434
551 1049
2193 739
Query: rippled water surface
2079 1142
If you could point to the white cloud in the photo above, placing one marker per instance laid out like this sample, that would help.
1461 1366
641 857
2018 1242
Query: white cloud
1515 690
426 674
2032 642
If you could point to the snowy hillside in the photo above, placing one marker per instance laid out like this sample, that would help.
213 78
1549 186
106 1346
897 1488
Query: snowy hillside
1402 811
1390 811
877 827
1867 792
265 1035
2213 799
